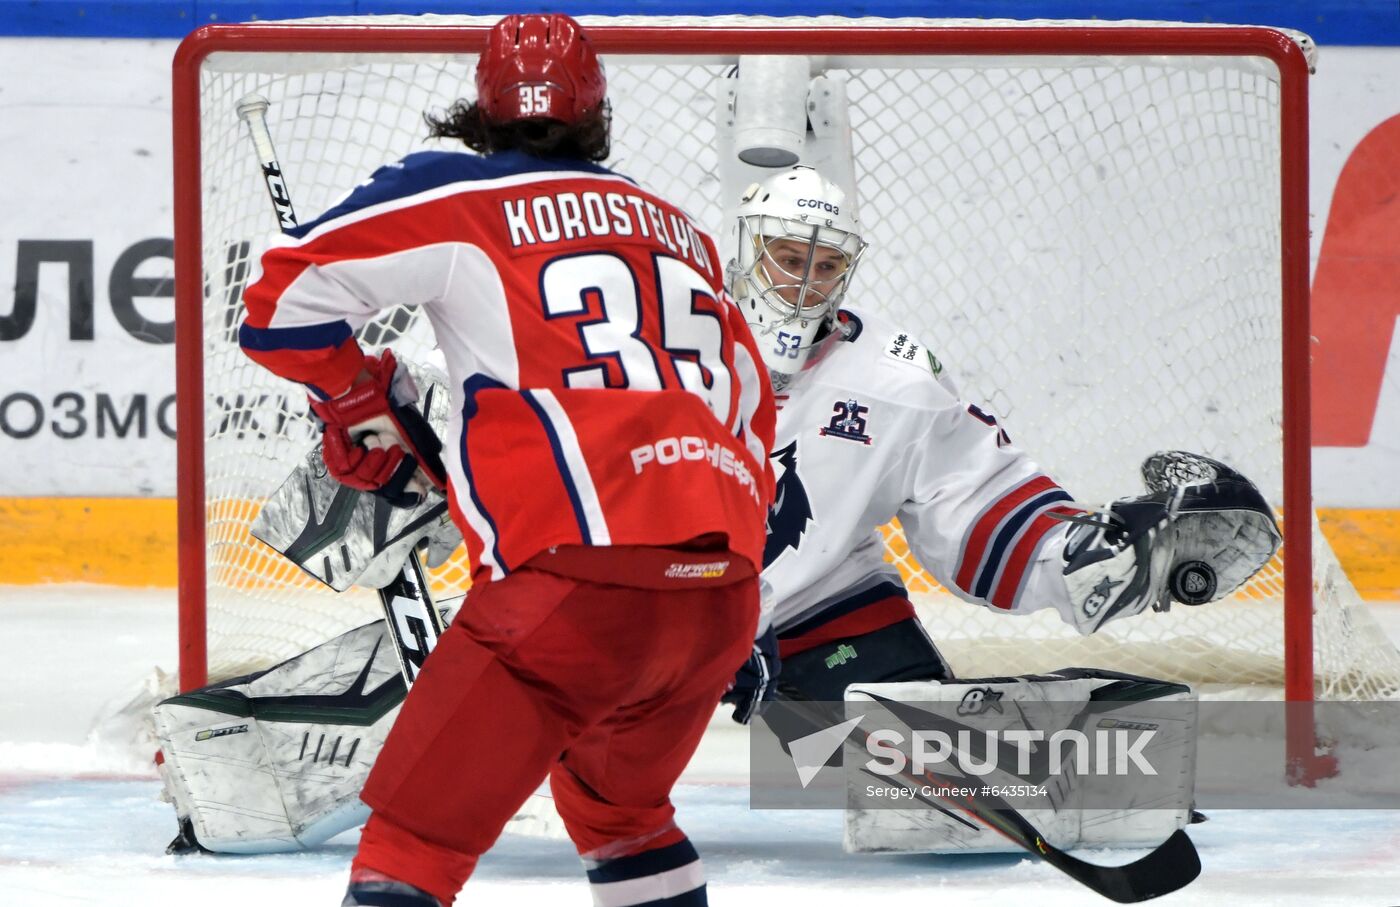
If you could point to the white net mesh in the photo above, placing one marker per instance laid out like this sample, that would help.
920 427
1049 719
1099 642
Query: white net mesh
1090 244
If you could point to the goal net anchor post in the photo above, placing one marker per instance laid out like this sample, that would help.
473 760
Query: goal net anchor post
772 112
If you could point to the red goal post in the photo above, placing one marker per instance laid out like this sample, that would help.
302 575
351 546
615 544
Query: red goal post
213 255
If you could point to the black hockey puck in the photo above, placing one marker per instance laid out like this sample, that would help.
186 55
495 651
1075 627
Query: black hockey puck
1192 583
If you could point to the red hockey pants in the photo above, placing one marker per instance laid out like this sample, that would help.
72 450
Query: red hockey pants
605 688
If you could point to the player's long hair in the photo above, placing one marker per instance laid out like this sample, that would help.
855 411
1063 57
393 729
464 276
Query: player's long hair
588 139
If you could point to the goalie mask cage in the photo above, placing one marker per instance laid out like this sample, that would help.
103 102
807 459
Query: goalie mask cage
1100 229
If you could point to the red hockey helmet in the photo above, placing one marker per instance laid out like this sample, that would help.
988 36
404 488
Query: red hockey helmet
539 67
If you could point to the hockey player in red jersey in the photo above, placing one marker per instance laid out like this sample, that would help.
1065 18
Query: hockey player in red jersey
606 463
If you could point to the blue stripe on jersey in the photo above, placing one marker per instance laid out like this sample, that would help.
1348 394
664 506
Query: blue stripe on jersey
470 388
307 337
991 565
426 170
562 465
646 863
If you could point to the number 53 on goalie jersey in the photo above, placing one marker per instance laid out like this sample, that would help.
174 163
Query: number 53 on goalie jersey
606 390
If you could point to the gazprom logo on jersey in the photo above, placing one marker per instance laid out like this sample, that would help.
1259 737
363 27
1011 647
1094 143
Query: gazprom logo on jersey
670 451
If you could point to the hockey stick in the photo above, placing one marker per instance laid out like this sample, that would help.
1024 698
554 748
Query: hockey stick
410 615
1173 865
413 620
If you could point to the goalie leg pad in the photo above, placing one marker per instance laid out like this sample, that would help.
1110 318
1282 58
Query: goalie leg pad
824 655
274 762
1084 806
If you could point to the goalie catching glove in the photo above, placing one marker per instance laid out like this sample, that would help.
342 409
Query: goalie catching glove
1200 532
375 438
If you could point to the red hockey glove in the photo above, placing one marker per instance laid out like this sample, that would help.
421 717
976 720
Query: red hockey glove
376 440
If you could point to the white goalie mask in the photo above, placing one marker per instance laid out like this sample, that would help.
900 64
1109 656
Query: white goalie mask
798 245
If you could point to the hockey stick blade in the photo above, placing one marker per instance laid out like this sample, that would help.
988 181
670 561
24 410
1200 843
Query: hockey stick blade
1171 867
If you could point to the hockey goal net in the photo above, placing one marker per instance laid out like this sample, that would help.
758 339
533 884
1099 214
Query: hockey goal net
1100 230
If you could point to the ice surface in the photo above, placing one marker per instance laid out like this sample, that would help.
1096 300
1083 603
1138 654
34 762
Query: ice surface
80 822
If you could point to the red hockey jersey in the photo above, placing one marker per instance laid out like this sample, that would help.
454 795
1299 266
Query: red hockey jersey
606 389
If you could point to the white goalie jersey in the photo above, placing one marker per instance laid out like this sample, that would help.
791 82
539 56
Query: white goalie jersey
872 429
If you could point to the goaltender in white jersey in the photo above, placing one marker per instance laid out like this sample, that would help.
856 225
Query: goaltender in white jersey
871 427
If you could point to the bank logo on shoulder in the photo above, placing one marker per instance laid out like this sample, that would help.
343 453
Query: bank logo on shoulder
903 348
848 422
